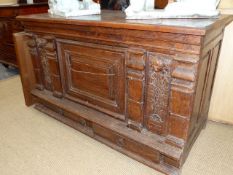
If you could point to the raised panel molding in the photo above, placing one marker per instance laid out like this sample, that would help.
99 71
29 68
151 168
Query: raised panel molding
94 75
78 68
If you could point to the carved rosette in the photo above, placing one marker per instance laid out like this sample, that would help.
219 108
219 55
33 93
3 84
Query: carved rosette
158 89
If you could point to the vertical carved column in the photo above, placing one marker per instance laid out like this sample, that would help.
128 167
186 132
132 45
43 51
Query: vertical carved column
135 64
45 63
158 90
41 46
35 61
49 61
181 101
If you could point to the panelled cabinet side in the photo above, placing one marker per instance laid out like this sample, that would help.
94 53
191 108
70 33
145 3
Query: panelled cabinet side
27 74
211 47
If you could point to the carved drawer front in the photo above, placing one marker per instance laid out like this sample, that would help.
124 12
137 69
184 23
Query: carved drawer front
94 75
158 92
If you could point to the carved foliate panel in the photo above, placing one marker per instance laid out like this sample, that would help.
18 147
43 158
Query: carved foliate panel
158 90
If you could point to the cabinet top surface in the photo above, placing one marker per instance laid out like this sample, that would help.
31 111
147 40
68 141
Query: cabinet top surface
116 19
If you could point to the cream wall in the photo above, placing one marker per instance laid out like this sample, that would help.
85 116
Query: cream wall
226 4
221 107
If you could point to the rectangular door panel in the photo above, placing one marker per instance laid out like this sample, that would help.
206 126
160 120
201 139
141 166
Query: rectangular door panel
94 75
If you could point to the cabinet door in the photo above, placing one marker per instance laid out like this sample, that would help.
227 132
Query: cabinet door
94 75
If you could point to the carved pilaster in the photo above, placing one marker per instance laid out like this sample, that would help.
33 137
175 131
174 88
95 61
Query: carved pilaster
47 51
41 46
35 61
135 87
181 101
158 90
45 63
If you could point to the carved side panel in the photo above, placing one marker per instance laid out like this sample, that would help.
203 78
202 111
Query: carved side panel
45 63
135 88
50 64
158 89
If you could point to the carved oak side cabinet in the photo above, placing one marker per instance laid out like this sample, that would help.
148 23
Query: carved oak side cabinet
142 87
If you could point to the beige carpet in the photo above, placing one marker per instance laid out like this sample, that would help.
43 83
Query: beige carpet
32 143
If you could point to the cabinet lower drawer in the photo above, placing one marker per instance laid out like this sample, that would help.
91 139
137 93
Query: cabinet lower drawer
127 144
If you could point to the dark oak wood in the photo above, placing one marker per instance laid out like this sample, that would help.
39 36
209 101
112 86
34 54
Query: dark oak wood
8 26
160 4
143 87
